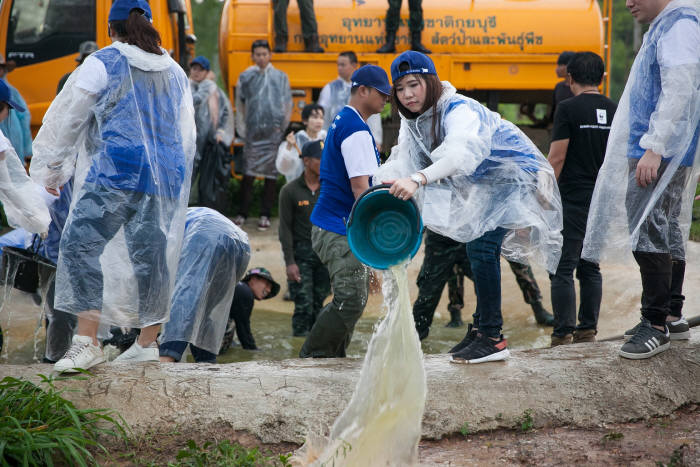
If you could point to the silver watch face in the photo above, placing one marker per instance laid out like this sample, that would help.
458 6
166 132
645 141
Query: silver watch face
417 178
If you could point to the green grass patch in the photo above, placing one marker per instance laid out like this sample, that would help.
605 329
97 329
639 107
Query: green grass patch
39 427
226 454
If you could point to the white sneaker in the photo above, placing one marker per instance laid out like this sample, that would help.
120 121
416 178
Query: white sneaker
136 353
81 354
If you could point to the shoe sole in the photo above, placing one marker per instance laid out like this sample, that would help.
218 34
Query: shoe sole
73 369
680 336
494 357
642 356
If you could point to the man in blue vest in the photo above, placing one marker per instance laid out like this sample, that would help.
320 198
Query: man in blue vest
654 142
349 159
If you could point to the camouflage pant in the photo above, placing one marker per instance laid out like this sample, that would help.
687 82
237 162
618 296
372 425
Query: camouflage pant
446 261
306 12
415 16
313 289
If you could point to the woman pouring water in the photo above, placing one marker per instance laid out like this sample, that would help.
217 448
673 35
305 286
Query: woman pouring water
123 126
480 181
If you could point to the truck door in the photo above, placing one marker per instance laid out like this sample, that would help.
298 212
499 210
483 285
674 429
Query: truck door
42 37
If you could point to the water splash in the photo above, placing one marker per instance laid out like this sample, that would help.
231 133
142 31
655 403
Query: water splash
382 423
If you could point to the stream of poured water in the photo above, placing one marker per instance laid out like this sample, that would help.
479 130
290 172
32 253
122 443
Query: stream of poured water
382 423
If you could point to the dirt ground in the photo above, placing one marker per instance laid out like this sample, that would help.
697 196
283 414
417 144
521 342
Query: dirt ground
673 440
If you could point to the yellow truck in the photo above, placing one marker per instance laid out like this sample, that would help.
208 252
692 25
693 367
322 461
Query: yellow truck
42 37
493 50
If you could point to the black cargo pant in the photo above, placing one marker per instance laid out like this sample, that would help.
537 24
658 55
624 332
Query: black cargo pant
415 16
444 260
313 289
309 27
660 249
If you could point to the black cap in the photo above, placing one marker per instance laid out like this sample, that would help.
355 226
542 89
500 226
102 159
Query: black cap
265 274
312 149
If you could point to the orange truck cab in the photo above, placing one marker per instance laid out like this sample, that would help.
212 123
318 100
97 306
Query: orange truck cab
493 50
42 37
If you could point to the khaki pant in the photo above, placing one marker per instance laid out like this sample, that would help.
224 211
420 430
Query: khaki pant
332 331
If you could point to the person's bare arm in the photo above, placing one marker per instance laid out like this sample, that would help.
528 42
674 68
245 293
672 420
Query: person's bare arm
359 185
557 155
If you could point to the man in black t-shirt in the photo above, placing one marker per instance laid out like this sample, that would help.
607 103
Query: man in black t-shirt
579 137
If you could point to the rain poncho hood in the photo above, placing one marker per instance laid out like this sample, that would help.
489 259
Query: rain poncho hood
214 257
125 130
660 111
499 178
263 109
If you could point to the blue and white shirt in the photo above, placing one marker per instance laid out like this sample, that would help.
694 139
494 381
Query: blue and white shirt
349 152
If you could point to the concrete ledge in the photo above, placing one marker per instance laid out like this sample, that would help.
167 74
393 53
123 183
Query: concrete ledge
580 385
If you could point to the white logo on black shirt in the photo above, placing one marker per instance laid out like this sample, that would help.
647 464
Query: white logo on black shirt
602 116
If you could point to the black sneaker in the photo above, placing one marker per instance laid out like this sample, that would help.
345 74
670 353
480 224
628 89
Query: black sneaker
678 330
647 342
464 343
483 349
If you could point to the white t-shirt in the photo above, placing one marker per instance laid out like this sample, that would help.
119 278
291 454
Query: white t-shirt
359 153
92 75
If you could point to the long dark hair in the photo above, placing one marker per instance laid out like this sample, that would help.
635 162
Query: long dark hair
433 91
137 30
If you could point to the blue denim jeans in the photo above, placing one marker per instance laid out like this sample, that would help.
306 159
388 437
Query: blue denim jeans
485 258
175 349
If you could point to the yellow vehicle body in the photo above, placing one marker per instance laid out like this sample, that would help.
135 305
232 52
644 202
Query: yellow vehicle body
503 50
42 37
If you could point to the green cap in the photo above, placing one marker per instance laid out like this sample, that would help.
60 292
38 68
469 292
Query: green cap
265 274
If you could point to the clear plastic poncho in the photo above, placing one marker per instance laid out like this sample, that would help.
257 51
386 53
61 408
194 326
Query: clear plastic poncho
263 109
123 126
214 257
208 126
288 161
659 110
499 178
22 199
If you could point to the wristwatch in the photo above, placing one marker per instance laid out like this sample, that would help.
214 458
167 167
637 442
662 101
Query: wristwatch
418 178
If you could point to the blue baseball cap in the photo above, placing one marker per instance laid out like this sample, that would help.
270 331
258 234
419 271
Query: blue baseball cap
371 76
201 61
6 96
418 63
121 9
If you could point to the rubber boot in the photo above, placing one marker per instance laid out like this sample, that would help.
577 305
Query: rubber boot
416 43
311 45
455 318
280 45
542 316
677 297
390 46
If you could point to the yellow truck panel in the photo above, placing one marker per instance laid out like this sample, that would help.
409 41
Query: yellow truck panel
507 46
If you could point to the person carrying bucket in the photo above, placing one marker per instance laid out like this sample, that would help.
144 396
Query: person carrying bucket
349 159
479 180
123 125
